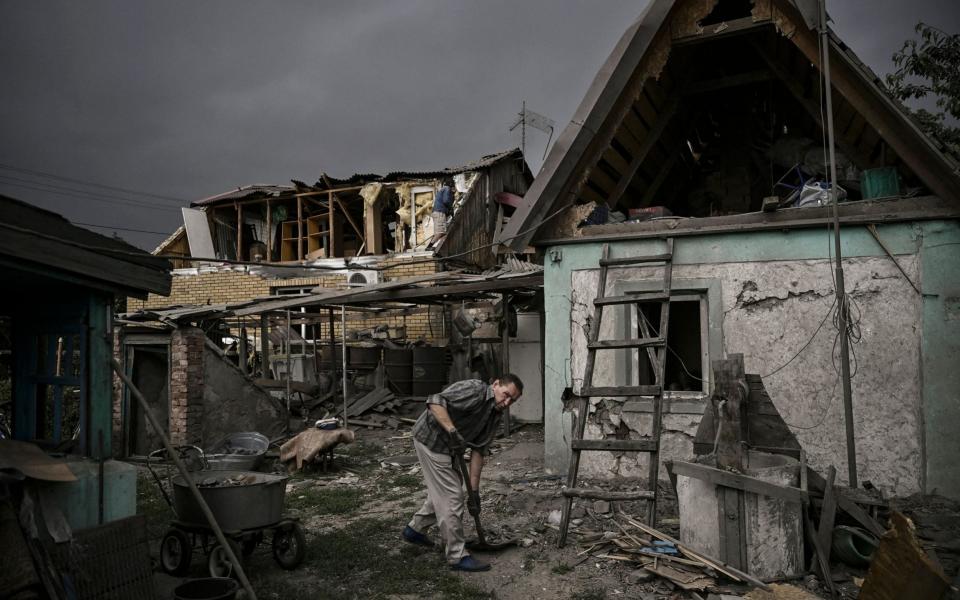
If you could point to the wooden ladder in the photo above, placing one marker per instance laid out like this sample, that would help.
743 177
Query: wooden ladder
655 344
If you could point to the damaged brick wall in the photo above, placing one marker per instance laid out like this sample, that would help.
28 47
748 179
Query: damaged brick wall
224 285
186 385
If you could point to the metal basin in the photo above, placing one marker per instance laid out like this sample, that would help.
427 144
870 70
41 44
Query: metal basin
257 503
241 451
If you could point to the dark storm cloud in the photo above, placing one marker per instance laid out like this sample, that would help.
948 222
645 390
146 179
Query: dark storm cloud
188 99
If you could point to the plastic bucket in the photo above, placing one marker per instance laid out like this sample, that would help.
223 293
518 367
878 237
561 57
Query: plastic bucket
208 588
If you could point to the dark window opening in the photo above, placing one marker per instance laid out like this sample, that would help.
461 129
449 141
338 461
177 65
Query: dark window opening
684 364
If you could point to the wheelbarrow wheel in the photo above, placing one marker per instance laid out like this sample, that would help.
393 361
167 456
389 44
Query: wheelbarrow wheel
289 546
176 551
218 563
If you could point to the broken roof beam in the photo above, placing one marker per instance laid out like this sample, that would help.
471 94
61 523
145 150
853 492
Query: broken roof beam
723 29
728 81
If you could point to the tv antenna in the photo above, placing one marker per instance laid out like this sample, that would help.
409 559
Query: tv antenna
537 121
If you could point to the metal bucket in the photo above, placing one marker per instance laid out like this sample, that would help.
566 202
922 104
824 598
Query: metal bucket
429 370
208 588
235 507
241 451
398 365
361 358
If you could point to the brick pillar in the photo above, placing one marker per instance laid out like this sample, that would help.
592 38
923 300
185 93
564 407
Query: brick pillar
186 385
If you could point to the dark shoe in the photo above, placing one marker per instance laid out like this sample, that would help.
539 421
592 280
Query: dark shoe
413 536
469 563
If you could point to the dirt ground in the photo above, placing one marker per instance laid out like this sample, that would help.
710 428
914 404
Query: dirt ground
353 514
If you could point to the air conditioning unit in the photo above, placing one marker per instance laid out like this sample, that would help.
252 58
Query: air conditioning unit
362 278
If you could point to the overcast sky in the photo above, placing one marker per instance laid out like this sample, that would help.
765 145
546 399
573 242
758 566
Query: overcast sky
186 99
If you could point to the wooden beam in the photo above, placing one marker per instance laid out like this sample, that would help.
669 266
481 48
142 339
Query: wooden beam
648 142
269 231
810 107
239 231
718 30
739 482
299 228
729 81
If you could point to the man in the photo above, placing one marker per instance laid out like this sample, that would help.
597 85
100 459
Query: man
466 413
442 207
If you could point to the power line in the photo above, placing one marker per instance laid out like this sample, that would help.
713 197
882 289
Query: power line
163 233
50 188
44 174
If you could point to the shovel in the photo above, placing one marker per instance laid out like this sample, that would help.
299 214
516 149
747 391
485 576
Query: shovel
473 506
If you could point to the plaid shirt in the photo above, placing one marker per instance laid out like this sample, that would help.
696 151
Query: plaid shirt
473 411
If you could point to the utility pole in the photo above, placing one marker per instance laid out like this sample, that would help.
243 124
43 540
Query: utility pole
841 294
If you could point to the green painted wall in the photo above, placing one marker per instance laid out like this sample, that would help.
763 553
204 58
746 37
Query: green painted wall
940 260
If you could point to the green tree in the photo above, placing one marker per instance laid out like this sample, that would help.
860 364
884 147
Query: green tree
930 67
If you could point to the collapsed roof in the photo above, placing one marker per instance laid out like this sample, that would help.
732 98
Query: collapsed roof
704 107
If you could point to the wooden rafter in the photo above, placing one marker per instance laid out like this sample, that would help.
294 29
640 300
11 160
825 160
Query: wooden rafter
646 144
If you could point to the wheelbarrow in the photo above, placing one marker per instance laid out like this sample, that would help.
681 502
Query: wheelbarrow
247 505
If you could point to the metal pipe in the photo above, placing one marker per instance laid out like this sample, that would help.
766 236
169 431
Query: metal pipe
841 294
343 355
145 407
289 366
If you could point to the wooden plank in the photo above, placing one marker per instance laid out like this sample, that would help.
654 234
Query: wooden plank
901 569
632 298
731 572
614 445
818 556
733 539
740 482
582 404
729 402
727 81
818 483
621 391
599 494
634 260
827 516
626 343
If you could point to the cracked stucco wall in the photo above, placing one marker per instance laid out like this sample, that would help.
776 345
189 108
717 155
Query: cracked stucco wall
770 309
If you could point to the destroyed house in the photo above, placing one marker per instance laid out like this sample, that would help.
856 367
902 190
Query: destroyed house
701 141
345 232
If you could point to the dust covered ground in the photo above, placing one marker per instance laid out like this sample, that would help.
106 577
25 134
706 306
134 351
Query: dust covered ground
353 515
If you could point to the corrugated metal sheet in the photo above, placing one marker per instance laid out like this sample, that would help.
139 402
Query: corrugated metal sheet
247 191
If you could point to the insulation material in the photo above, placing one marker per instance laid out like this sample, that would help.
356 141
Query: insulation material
371 193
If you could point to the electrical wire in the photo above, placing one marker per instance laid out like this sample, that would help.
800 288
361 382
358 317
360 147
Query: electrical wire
46 175
50 188
121 228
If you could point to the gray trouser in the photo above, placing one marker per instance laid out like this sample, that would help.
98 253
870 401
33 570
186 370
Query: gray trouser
444 504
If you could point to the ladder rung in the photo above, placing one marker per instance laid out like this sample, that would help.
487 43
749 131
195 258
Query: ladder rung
624 390
632 298
628 343
598 494
615 445
632 260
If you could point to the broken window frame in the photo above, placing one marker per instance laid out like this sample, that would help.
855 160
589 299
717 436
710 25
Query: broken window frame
711 333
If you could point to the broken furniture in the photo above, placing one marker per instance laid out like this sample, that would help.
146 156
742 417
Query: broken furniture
656 345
